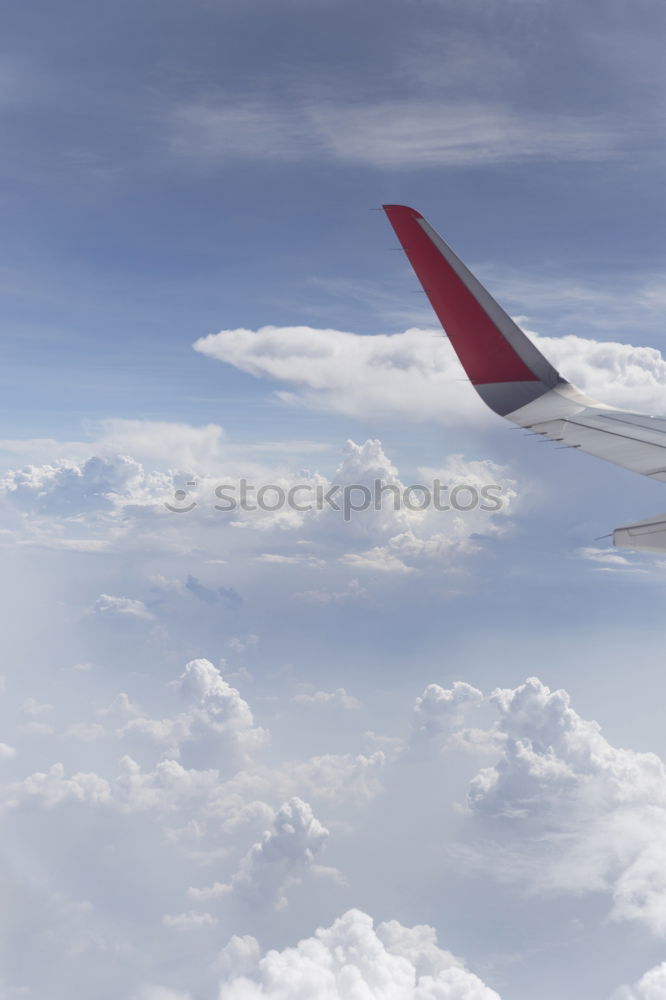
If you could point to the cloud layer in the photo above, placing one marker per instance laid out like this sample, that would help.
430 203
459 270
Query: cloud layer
238 826
114 503
416 376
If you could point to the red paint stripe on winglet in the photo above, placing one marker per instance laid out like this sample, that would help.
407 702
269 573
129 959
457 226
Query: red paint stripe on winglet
485 353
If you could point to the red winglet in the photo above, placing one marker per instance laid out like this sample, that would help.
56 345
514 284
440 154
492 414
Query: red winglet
489 344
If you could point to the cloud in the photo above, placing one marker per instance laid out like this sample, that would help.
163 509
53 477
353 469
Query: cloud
217 719
389 135
651 986
239 957
278 559
86 731
169 787
53 788
409 134
278 861
353 593
216 726
340 777
607 558
411 375
195 806
240 644
35 708
228 595
397 538
205 594
439 709
393 536
416 376
170 444
129 465
378 559
338 698
557 810
610 561
110 606
91 504
163 793
563 811
191 921
331 778
353 958
618 374
97 483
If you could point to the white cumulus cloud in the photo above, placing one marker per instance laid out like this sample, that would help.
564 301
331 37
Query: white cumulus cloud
568 811
352 958
416 376
438 710
651 986
395 532
216 717
278 860
411 375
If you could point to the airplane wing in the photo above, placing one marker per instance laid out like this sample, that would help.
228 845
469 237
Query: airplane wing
518 382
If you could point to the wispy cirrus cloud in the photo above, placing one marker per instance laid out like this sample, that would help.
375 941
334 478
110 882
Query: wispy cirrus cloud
392 134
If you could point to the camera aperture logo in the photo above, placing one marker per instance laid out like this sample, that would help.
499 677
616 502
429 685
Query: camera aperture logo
348 499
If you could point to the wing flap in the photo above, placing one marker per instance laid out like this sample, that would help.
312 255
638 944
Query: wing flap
627 444
648 535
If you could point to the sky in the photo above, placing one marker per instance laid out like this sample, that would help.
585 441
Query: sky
405 755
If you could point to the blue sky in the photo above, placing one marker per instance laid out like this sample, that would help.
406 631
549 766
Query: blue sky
264 725
171 169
